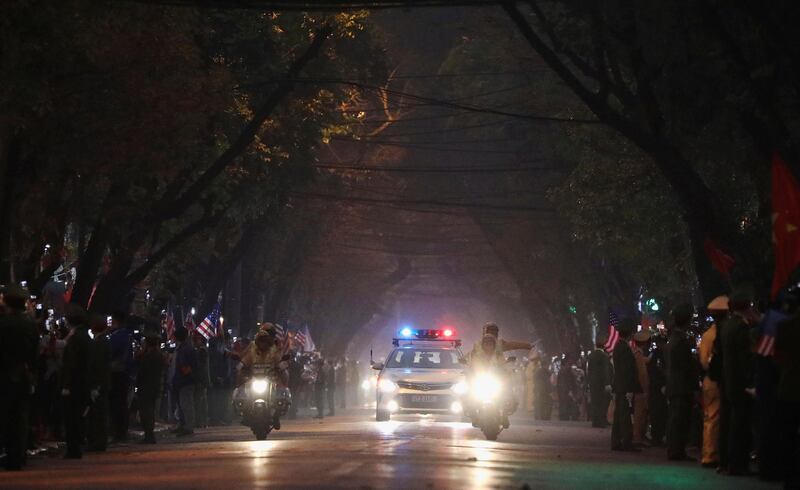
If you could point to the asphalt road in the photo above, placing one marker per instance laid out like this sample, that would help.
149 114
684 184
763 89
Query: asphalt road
353 451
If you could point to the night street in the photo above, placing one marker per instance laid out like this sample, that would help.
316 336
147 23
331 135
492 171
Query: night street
356 452
489 227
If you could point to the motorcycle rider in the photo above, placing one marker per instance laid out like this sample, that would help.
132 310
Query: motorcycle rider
486 356
266 350
489 357
491 329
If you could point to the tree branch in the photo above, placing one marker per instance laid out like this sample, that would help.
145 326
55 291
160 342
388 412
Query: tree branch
171 208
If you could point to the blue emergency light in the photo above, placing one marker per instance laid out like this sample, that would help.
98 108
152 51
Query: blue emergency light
410 334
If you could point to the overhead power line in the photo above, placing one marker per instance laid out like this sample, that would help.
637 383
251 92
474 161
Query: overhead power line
437 170
440 102
320 5
429 148
422 202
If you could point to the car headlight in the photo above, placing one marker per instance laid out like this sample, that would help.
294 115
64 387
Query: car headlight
387 386
258 385
460 388
485 386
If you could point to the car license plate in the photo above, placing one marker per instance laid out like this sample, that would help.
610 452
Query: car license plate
423 398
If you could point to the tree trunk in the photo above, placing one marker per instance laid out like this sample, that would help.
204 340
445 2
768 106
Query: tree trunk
9 169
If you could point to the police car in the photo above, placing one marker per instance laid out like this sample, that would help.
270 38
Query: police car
423 374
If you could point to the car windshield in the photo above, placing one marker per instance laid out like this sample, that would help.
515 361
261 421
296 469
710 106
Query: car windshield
424 359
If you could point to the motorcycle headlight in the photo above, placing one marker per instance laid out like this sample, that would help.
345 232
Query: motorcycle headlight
387 386
460 388
259 385
486 386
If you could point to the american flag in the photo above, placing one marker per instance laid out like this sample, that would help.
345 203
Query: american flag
768 329
280 332
613 334
208 327
188 322
168 324
300 339
303 340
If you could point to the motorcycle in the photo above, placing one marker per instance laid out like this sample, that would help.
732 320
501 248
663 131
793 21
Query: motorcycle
491 401
261 403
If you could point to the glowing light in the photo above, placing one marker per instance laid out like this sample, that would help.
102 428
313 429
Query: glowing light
448 332
259 385
366 385
392 406
486 386
387 386
456 407
406 332
460 388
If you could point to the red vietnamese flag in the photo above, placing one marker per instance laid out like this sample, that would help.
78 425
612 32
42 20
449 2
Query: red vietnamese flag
722 262
785 222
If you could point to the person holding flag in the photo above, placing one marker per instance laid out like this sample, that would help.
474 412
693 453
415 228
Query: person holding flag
767 379
185 368
787 356
168 324
625 384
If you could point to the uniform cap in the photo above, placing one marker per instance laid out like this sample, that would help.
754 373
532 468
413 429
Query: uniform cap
720 303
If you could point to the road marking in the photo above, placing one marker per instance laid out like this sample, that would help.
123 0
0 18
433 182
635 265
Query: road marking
347 468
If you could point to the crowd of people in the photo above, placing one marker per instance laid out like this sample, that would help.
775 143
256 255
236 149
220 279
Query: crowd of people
725 380
81 380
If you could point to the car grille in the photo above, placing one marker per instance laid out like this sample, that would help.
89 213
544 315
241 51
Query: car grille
424 386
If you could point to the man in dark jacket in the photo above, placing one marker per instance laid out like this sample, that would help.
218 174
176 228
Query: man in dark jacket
320 382
119 339
148 383
202 380
682 382
220 371
75 380
543 401
787 354
18 344
184 381
295 383
330 385
567 387
99 384
599 384
738 380
626 383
